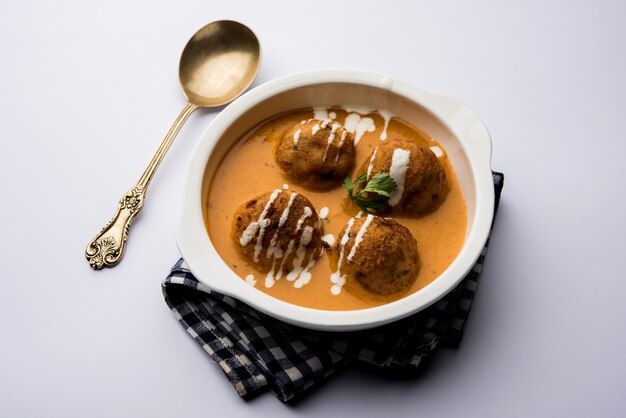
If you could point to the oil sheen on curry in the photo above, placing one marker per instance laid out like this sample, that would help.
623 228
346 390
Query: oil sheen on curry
336 209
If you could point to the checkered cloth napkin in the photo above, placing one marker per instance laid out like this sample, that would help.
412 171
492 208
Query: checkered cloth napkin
257 352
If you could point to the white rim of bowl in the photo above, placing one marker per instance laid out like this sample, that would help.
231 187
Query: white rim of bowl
208 267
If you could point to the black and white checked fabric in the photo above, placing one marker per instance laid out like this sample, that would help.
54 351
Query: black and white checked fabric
258 353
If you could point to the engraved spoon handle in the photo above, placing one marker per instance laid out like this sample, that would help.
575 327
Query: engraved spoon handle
107 247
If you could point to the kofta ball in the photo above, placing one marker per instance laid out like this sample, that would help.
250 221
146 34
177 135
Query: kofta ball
421 183
278 230
317 154
377 253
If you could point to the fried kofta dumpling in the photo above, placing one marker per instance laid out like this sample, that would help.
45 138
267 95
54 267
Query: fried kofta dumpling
377 253
317 154
421 183
278 231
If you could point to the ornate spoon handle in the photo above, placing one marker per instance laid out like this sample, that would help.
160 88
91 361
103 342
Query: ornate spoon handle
107 247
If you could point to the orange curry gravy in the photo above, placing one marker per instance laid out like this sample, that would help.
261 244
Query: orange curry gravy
249 169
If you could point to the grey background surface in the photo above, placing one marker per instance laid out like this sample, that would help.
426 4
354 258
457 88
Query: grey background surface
87 91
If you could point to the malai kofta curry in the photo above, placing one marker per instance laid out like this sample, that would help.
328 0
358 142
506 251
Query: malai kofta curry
336 209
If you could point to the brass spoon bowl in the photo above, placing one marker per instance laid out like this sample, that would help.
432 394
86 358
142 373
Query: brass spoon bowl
219 62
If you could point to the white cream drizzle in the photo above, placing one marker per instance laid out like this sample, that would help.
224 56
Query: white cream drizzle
305 276
305 239
285 215
299 274
296 137
329 239
336 288
315 129
258 246
307 212
324 212
331 138
320 113
356 114
286 186
351 121
249 233
323 113
364 125
357 125
273 249
287 253
437 151
259 225
371 164
399 166
264 223
337 278
386 118
359 236
341 141
346 235
269 279
363 110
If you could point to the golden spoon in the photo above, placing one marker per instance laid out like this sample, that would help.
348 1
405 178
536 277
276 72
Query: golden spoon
218 64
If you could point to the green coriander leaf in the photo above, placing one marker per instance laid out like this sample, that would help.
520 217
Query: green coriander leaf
349 185
380 183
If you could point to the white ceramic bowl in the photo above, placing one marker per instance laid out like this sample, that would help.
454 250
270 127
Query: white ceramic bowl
457 129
